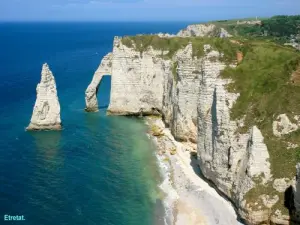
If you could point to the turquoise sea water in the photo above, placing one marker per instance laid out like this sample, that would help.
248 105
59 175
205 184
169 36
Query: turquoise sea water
98 169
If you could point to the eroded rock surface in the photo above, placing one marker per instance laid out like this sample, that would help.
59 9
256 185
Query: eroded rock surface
46 111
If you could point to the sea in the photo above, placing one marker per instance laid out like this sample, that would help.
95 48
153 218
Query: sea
99 170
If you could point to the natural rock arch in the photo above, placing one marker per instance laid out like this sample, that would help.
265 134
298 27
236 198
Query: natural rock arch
105 68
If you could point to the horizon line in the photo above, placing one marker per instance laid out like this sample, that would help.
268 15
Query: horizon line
136 21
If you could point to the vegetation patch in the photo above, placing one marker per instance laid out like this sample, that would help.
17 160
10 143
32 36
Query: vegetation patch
173 151
277 28
295 79
174 71
252 197
194 154
155 117
156 131
167 159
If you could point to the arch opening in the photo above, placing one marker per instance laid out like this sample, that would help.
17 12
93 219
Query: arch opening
99 80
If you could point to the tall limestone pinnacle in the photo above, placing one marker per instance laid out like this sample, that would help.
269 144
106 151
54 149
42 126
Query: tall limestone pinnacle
46 111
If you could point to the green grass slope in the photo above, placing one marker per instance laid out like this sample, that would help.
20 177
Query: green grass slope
277 28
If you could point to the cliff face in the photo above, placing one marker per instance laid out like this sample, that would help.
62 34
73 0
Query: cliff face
235 162
180 95
46 111
137 81
188 90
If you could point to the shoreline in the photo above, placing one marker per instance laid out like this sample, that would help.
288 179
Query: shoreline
189 200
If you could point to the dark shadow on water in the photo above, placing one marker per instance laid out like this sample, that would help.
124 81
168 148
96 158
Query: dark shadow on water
93 119
48 145
47 141
103 107
197 170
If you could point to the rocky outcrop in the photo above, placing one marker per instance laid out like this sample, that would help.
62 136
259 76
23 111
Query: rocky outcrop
91 92
224 33
282 184
198 30
282 125
203 30
258 164
46 111
166 35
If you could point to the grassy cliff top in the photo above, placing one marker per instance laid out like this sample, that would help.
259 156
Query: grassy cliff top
172 45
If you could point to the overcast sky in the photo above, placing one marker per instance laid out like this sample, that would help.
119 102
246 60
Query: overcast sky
142 10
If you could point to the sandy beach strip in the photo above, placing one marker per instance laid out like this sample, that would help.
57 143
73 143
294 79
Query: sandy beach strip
189 199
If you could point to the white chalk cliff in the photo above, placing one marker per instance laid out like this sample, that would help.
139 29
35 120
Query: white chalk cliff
46 111
141 90
192 98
